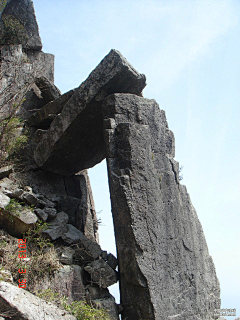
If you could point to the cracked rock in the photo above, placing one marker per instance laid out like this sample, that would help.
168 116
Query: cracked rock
101 273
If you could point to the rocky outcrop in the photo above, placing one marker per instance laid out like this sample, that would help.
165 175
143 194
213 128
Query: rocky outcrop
81 117
21 14
165 268
19 304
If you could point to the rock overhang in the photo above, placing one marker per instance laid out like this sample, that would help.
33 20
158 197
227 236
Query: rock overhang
67 147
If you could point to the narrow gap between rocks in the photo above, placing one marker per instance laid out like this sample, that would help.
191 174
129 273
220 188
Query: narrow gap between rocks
100 188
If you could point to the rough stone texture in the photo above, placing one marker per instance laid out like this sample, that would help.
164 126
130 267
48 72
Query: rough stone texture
5 275
81 117
86 217
19 223
72 235
23 12
41 214
19 304
5 171
108 304
51 212
71 194
67 256
57 227
44 116
86 250
101 297
29 198
19 71
4 200
101 273
112 261
165 268
49 91
67 281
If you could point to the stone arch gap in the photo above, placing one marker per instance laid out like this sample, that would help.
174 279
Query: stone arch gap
161 249
100 188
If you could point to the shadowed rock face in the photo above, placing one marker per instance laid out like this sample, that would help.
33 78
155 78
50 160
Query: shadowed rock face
81 118
165 268
21 14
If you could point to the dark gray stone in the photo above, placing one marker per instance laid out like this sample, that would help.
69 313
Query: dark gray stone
86 250
38 134
112 261
100 297
81 117
67 281
5 171
49 91
22 12
104 255
101 273
51 212
73 235
29 198
67 256
165 268
57 227
41 117
42 215
44 202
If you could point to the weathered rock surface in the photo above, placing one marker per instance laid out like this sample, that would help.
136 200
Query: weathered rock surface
5 171
112 261
44 116
87 249
19 70
81 117
22 13
51 192
101 273
4 200
19 304
67 281
67 256
16 224
5 275
100 297
165 268
57 227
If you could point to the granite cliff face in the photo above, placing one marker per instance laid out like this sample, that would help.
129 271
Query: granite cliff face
164 268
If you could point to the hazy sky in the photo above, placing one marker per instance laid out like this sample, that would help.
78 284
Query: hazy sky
189 51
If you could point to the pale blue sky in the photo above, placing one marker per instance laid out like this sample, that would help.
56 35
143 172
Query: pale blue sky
189 51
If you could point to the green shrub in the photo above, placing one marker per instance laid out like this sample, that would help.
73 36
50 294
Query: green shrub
11 140
3 4
80 309
14 207
14 32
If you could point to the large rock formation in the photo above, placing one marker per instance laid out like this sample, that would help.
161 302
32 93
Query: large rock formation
164 264
18 304
165 269
19 25
81 117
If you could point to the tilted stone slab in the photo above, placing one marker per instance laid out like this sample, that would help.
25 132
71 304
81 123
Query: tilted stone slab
74 140
19 304
165 269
